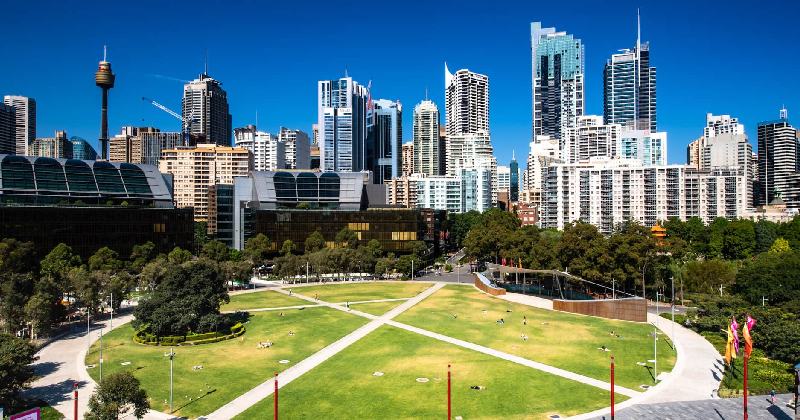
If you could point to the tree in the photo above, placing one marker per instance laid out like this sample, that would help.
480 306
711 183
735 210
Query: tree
384 266
780 245
179 256
59 262
86 286
15 291
303 206
775 276
105 259
347 238
765 232
17 257
16 373
257 248
200 234
314 242
706 276
141 255
375 248
117 394
738 240
404 264
216 251
287 248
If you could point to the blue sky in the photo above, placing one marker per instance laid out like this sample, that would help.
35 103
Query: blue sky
739 58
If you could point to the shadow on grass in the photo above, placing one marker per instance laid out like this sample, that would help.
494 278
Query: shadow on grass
194 400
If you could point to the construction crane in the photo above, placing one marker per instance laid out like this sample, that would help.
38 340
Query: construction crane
186 123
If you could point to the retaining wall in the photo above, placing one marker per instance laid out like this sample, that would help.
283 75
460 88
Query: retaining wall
628 309
481 282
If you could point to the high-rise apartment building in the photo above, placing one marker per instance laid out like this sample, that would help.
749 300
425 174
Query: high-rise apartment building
25 109
206 103
589 138
467 102
269 154
442 149
297 147
125 147
503 179
55 147
342 121
543 153
426 139
387 138
629 89
558 81
467 190
81 149
472 151
195 170
605 193
402 191
778 162
315 135
144 144
408 158
8 129
645 145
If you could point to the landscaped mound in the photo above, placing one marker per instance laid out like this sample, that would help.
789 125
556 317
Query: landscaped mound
144 336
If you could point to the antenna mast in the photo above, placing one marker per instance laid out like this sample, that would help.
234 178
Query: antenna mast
206 67
104 53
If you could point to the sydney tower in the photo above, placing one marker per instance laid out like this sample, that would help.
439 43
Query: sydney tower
105 79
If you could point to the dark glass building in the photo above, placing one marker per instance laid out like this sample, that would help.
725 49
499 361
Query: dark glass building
88 205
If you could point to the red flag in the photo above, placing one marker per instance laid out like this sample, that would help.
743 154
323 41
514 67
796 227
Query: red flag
748 341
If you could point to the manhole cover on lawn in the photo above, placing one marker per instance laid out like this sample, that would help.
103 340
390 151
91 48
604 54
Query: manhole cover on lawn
283 361
459 418
644 386
125 363
90 366
422 379
377 374
554 416
437 379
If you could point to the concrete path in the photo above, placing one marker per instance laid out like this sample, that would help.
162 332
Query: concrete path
249 398
758 408
530 300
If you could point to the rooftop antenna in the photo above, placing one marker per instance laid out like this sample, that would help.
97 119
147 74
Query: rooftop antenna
206 68
345 71
256 118
426 93
513 156
638 68
104 53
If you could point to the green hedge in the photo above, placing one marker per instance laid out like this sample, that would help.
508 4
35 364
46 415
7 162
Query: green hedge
144 337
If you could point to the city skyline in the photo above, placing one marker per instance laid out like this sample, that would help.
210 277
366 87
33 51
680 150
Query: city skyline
151 62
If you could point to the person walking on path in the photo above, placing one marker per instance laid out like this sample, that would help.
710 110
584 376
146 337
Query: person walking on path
347 304
772 397
290 292
315 297
524 320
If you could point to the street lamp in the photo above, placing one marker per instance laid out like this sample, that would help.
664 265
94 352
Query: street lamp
655 353
672 280
101 355
171 356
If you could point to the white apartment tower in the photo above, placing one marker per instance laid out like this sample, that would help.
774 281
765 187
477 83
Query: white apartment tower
297 148
269 154
467 97
472 151
25 123
426 138
589 138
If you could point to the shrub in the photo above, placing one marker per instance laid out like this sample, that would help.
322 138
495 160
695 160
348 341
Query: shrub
448 267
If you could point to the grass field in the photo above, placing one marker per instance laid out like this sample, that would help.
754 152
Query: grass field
344 292
568 341
230 368
377 308
344 386
258 300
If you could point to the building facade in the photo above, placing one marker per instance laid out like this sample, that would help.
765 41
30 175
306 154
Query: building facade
8 129
408 159
402 191
25 124
342 121
472 151
629 89
467 102
195 170
607 192
778 162
269 154
297 148
558 81
56 147
645 145
81 149
589 138
514 187
468 189
387 141
206 103
426 139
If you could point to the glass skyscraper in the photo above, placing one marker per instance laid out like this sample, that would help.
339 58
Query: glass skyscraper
558 81
342 115
82 150
387 138
629 89
513 190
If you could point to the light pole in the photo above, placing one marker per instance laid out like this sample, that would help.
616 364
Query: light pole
412 269
657 315
112 312
672 280
613 292
655 353
763 301
171 356
306 271
101 355
721 286
88 329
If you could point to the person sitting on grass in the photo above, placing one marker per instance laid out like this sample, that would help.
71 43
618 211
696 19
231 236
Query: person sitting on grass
603 348
524 337
291 332
477 387
455 316
281 314
501 321
268 344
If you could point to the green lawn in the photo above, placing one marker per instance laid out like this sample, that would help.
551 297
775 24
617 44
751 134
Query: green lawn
344 387
377 308
568 342
258 300
353 292
230 368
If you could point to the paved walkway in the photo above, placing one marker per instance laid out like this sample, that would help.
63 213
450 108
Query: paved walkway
719 409
249 398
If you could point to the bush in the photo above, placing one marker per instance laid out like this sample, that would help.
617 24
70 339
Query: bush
448 267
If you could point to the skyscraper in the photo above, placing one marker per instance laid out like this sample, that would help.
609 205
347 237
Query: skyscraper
467 97
297 147
472 151
558 81
81 149
408 158
206 103
514 189
8 129
629 89
588 139
25 123
388 140
342 120
426 139
268 153
778 162
53 147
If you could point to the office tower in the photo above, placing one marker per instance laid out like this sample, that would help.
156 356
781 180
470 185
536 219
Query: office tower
297 148
195 170
558 81
442 149
645 145
467 102
629 89
606 193
472 151
206 103
503 179
104 79
125 147
315 133
514 187
268 153
408 158
55 147
426 139
402 191
154 141
387 140
589 138
8 129
81 149
778 162
342 121
25 109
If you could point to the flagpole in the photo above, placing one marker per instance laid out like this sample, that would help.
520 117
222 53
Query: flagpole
745 387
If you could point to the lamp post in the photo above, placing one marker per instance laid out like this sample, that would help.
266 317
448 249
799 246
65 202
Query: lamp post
171 356
101 355
412 269
613 291
672 280
88 329
657 315
655 353
111 323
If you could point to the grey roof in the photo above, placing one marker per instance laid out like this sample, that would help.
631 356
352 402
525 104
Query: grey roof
274 188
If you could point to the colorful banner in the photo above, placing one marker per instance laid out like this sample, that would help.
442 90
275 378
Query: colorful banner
748 341
729 347
735 329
